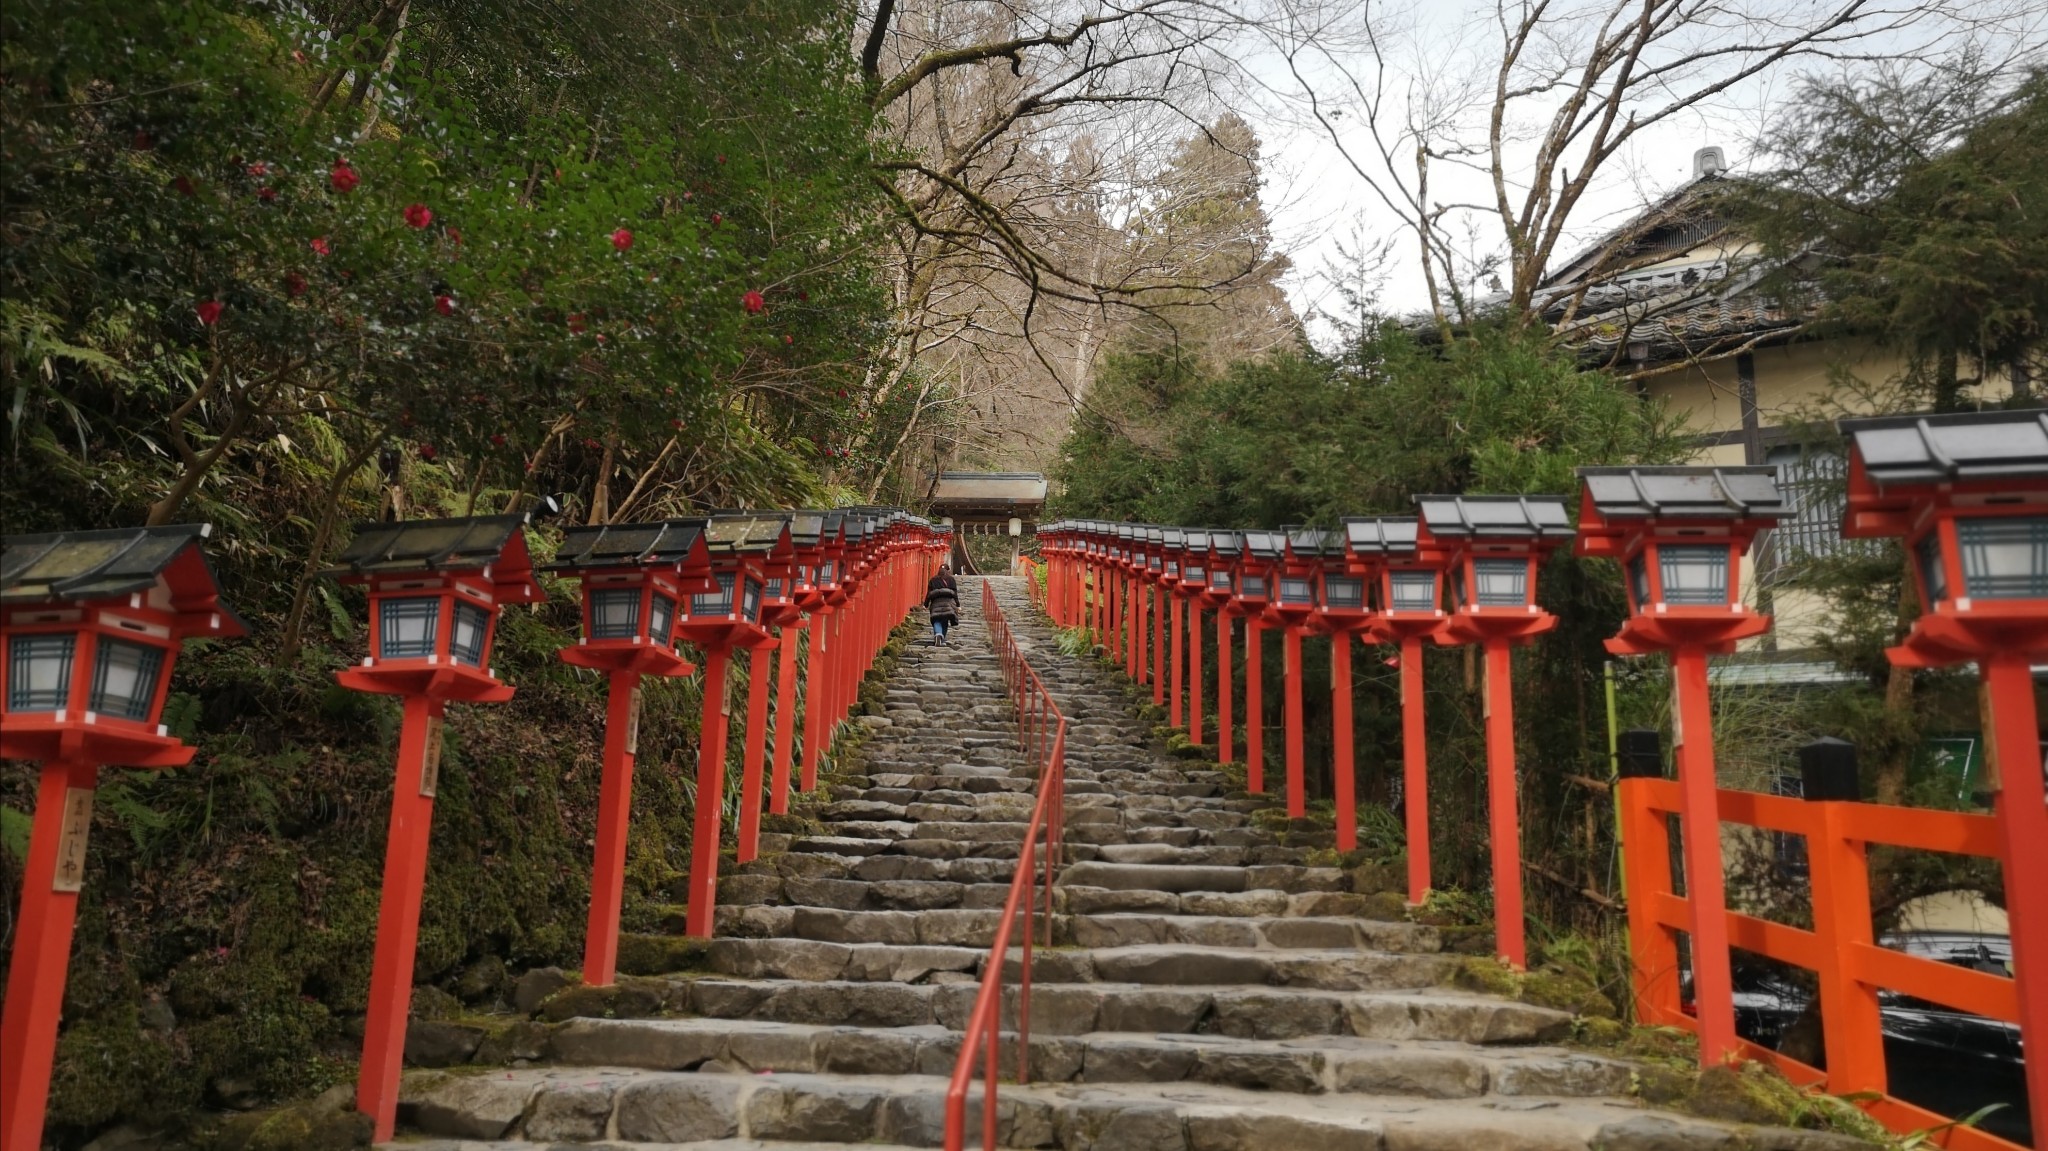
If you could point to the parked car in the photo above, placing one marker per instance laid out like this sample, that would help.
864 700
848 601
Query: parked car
1947 1061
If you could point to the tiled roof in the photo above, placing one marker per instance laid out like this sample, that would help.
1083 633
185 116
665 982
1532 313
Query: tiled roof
1380 535
1641 492
427 545
91 564
1501 517
618 545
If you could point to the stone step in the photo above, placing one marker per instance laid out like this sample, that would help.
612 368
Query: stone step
536 1105
834 924
1186 878
944 948
1321 1065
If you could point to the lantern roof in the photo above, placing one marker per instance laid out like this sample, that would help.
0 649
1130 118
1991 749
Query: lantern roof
1226 543
470 543
765 534
1155 535
1266 545
1380 535
1173 538
1534 519
1303 542
111 563
1954 446
657 544
1195 539
1613 493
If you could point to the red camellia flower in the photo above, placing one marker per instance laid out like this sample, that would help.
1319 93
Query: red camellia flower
427 452
184 185
142 141
444 304
716 219
266 194
418 215
321 246
209 312
455 234
753 302
259 169
721 159
343 178
576 322
787 339
498 439
295 284
622 239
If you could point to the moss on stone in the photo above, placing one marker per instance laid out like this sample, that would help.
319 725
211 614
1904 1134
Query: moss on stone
1546 987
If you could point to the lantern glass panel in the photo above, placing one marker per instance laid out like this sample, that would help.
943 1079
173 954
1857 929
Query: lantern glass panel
661 619
1173 567
473 627
1220 579
2005 557
124 678
1695 574
1413 590
827 571
1294 590
1639 581
1252 586
615 613
750 601
774 590
409 627
39 671
1194 573
1152 562
715 602
1345 593
1933 574
1501 582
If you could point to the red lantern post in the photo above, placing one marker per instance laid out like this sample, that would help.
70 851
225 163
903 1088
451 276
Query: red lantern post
1251 580
1680 533
1342 612
120 604
1497 543
779 611
717 622
1225 548
1293 606
436 587
1409 578
1173 552
633 578
1968 494
840 540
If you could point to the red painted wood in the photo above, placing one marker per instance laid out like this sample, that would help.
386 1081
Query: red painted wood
398 923
614 815
42 952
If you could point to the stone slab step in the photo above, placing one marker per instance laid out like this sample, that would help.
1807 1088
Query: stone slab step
1321 1065
901 925
539 1106
1079 1008
943 949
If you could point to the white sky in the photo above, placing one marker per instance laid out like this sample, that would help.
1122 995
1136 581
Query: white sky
1318 204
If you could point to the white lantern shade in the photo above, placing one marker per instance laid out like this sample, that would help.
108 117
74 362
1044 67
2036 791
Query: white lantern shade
2004 557
408 627
124 678
1693 575
39 671
472 630
1412 591
1500 582
615 613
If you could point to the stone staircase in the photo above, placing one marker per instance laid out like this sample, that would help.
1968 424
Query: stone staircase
1209 991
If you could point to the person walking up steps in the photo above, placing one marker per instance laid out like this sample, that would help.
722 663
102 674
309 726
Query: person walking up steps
942 600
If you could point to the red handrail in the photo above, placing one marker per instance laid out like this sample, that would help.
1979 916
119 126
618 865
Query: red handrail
1042 732
1840 948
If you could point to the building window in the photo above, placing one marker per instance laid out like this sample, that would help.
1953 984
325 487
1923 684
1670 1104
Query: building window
1814 485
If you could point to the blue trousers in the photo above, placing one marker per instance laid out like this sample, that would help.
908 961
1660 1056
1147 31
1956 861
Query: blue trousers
939 625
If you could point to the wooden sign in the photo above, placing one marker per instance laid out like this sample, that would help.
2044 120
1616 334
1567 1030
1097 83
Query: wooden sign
77 826
633 725
430 763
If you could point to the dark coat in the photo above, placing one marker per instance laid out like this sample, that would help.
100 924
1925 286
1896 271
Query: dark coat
942 598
